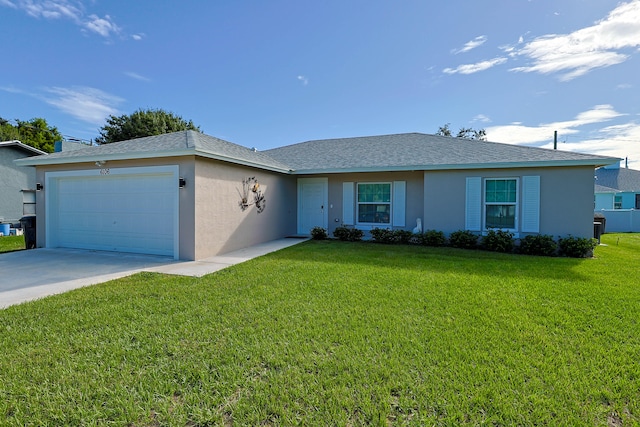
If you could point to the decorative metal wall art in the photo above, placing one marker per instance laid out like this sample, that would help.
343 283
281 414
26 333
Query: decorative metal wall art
251 195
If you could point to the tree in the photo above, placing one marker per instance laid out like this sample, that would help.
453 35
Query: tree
35 132
142 123
467 133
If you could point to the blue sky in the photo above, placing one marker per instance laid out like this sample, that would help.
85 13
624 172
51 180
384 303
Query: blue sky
266 74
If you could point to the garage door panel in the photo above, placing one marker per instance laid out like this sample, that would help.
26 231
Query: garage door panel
134 212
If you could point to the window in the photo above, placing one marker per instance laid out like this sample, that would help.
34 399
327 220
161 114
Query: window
617 202
511 204
500 199
374 203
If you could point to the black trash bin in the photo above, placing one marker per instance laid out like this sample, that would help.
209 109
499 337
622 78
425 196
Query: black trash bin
597 230
599 217
29 228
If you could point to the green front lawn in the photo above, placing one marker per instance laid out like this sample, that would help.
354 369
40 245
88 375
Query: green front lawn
333 333
11 243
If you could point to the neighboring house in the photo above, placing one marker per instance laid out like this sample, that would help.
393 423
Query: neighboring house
617 188
17 183
192 196
69 145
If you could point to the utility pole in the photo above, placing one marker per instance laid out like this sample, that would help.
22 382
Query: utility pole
555 139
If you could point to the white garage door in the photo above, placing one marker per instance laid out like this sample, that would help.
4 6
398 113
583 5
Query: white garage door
123 210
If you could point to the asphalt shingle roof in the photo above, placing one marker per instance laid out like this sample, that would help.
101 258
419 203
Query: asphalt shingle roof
409 151
170 144
627 180
416 151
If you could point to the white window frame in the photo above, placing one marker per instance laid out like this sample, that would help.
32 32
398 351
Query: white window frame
617 201
516 204
358 203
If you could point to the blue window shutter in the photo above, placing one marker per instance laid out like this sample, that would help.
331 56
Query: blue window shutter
348 208
531 204
399 203
473 204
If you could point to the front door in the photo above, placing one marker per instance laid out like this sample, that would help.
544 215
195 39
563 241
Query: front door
312 204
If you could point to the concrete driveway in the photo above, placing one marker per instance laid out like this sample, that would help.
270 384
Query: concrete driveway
32 274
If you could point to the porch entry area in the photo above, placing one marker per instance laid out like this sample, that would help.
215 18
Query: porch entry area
312 204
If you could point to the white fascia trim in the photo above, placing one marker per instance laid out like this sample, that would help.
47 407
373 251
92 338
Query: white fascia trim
25 147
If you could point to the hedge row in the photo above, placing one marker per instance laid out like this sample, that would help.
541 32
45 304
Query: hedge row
494 240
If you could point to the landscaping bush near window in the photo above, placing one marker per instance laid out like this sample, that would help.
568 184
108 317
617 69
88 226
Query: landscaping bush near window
463 239
498 241
388 236
540 245
383 235
403 236
431 238
576 247
318 233
348 234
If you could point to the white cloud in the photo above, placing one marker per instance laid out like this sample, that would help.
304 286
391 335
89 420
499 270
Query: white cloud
481 118
575 54
65 9
620 140
48 9
304 80
137 76
607 42
472 44
474 68
11 89
138 37
85 103
517 133
103 26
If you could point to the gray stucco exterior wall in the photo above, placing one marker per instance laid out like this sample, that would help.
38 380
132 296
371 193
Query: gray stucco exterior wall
414 195
222 226
566 198
13 179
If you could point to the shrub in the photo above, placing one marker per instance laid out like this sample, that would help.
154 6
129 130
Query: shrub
577 247
403 236
498 241
318 233
348 234
431 238
540 244
463 239
383 235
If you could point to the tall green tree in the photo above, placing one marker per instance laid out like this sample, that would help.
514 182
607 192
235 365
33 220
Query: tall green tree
35 132
142 123
467 133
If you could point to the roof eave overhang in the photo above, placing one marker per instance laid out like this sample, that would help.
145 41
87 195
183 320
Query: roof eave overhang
24 147
498 165
47 161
